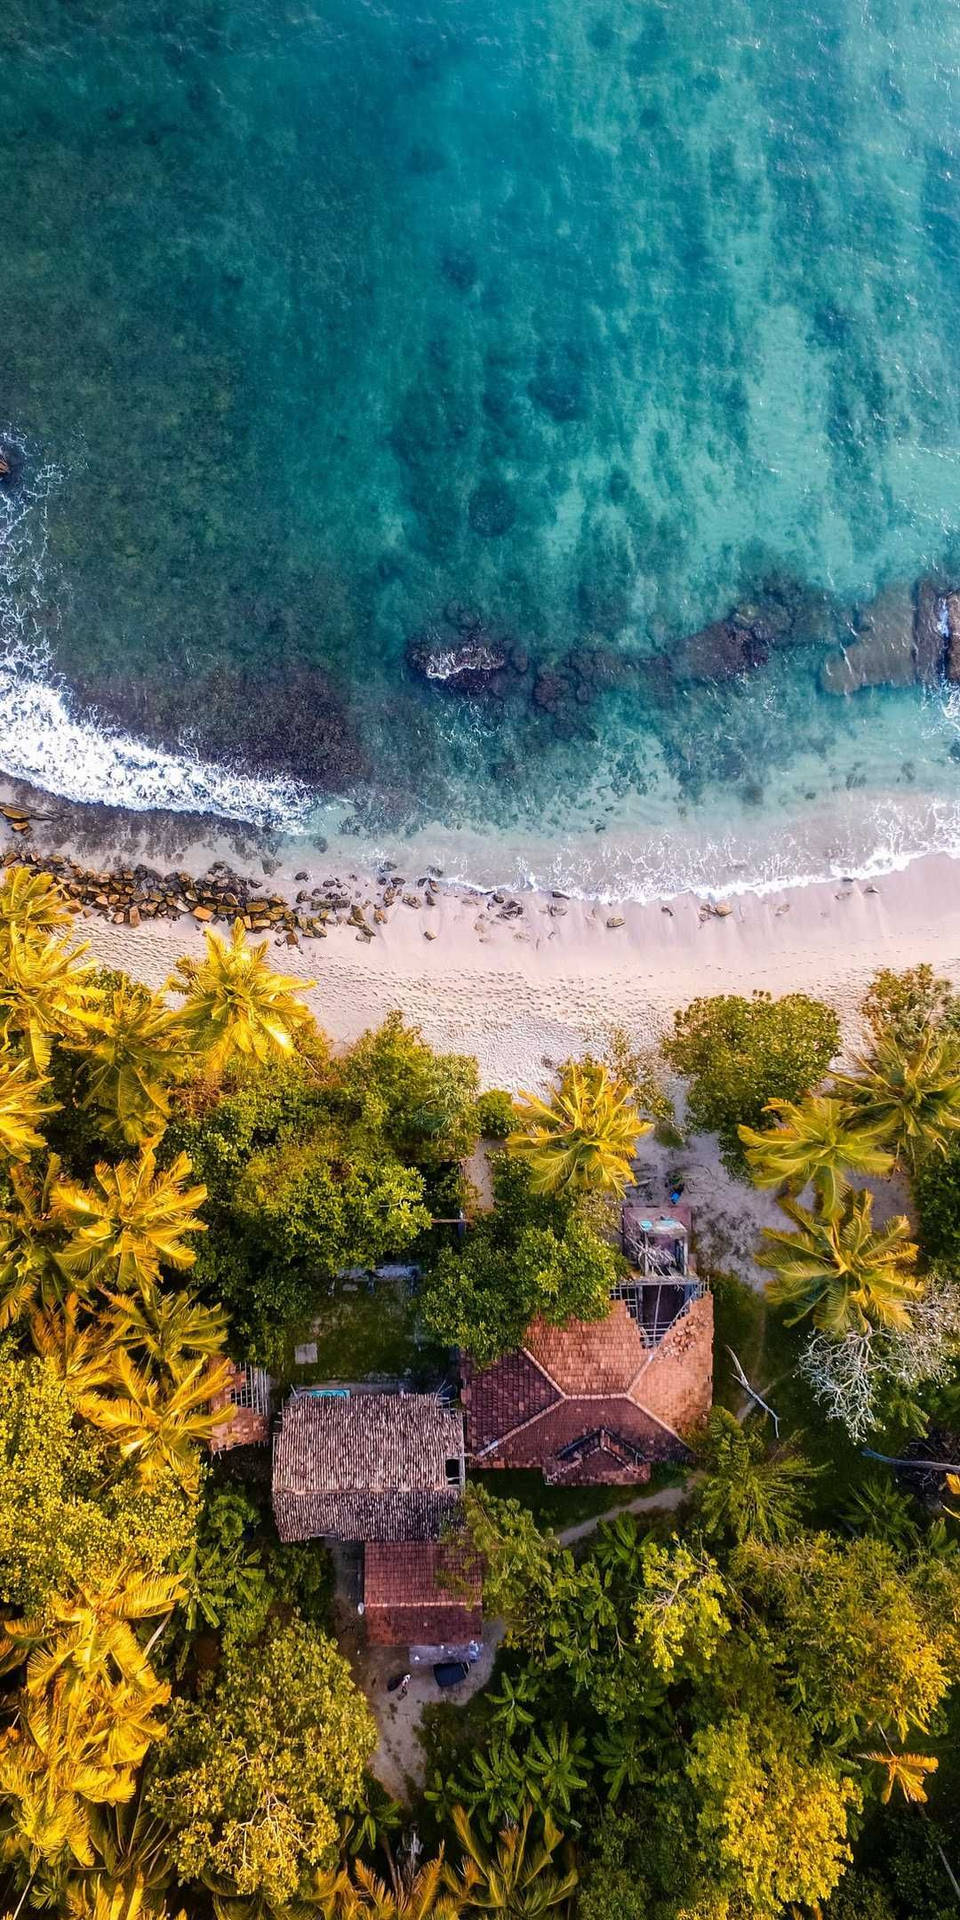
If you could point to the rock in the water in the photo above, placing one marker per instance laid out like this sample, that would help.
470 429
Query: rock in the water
951 609
930 633
456 665
882 655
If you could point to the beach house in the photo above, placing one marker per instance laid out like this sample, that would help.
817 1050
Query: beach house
598 1402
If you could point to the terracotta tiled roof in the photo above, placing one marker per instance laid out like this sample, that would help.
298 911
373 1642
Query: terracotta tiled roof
421 1593
372 1466
596 1356
608 1404
501 1397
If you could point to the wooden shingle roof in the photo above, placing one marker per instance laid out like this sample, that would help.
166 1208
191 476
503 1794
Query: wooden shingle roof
371 1466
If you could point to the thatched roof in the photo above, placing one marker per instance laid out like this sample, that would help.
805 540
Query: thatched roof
372 1466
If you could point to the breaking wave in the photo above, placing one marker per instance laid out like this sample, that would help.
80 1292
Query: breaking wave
71 755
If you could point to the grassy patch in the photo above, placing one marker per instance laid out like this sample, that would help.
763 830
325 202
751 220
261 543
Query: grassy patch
560 1507
359 1336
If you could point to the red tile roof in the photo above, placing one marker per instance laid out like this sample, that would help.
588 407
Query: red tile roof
421 1593
591 1400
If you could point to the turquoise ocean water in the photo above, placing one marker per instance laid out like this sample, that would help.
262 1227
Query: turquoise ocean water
336 337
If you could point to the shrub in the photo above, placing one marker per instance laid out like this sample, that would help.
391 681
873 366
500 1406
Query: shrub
737 1054
496 1114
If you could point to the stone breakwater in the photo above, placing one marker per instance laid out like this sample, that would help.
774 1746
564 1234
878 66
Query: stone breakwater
134 895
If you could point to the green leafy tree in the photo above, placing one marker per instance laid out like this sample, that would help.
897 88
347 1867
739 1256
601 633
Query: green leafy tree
257 1772
904 1007
739 1054
422 1103
333 1202
749 1492
679 1612
816 1140
483 1297
839 1270
774 1817
855 1632
584 1138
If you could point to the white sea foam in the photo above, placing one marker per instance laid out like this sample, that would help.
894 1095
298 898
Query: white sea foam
74 756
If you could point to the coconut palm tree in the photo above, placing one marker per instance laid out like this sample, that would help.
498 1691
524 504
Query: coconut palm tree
88 1635
516 1878
910 1095
235 1004
131 1048
45 991
31 903
817 1139
408 1893
165 1331
749 1493
839 1270
23 1108
130 1222
908 1771
156 1427
30 1274
584 1138
132 1865
80 1355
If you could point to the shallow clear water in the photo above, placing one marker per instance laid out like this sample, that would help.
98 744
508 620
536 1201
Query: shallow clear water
593 319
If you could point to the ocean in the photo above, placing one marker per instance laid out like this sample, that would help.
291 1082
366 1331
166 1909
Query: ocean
481 430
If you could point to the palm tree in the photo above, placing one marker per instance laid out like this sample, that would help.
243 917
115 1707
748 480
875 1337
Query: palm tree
88 1634
836 1268
908 1771
517 1878
80 1356
23 1108
552 1765
235 1003
165 1331
132 1864
45 991
30 1274
748 1493
584 1138
815 1139
130 1222
409 1893
130 1048
31 903
156 1427
911 1096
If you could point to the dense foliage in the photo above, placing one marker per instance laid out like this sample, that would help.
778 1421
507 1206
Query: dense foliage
740 1054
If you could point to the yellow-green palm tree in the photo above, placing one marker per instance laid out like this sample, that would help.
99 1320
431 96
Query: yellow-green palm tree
517 1878
31 903
81 1356
30 1274
155 1426
131 1049
165 1331
23 1107
132 1864
420 1894
66 1750
837 1268
88 1635
911 1096
584 1138
45 991
130 1222
235 1004
818 1139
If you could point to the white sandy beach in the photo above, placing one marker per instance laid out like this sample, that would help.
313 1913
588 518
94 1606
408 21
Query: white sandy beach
525 993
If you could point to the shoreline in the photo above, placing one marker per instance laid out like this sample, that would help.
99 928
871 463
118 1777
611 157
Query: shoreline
520 979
